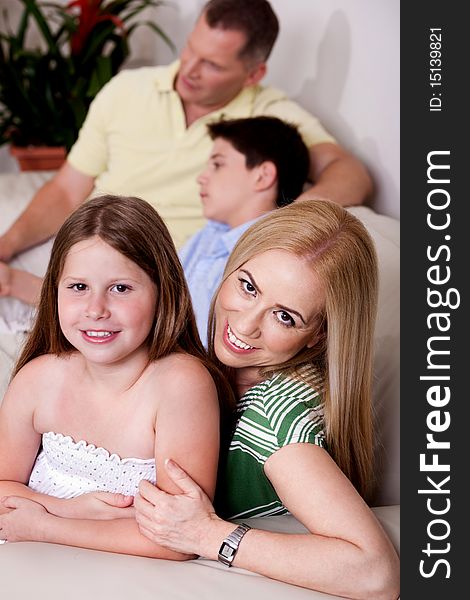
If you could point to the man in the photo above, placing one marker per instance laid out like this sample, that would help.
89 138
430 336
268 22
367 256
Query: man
256 165
145 133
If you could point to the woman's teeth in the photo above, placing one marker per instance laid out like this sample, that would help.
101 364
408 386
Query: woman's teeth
236 342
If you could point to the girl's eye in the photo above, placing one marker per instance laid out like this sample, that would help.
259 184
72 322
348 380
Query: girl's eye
284 318
120 288
248 287
77 287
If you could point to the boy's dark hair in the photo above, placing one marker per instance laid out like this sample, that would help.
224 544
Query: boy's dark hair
255 18
263 139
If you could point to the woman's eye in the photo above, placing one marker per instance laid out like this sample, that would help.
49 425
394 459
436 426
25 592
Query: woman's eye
248 287
284 318
120 288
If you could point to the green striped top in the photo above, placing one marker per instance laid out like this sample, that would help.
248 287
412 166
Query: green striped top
279 411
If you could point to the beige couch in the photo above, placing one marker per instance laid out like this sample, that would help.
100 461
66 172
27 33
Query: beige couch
48 571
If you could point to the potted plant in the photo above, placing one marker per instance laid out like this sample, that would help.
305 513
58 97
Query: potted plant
45 91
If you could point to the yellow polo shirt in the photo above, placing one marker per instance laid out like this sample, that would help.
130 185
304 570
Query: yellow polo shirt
135 141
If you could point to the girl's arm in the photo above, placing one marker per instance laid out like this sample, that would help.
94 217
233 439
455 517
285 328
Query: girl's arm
29 521
187 426
19 441
346 553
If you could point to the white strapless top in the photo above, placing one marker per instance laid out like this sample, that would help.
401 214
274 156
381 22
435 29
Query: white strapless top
65 469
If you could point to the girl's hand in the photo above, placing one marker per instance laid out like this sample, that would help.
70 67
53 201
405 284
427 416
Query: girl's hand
25 522
95 505
26 519
178 522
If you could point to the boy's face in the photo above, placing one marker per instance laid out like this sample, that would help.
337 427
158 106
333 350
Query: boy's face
227 186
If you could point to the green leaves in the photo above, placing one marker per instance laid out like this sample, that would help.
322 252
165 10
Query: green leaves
45 93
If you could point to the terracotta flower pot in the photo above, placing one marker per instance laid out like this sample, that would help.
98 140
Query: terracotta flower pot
39 158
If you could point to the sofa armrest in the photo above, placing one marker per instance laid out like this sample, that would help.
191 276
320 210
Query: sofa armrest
52 572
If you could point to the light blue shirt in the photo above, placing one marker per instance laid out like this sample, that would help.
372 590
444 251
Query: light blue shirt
203 258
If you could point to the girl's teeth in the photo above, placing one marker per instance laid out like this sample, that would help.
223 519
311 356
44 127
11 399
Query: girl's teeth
236 342
99 333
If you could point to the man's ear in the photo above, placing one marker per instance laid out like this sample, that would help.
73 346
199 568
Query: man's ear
256 74
266 176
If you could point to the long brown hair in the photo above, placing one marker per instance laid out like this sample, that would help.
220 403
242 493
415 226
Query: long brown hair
133 228
339 250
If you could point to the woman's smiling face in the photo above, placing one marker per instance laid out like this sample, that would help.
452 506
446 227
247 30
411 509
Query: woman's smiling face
267 311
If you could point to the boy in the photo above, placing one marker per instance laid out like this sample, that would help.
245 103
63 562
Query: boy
256 165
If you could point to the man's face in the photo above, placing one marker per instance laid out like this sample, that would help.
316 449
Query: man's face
211 73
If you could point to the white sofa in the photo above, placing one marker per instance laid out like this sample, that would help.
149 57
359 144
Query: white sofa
48 571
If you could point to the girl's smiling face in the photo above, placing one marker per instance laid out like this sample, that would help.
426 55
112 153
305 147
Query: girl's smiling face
267 311
106 302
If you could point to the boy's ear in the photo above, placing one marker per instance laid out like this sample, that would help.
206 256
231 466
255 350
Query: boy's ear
266 176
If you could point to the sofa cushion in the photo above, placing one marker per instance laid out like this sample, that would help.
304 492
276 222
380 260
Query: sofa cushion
57 572
385 231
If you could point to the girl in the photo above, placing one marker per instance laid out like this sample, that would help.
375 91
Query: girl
113 379
292 323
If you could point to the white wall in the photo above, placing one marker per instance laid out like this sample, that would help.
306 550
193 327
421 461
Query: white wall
338 58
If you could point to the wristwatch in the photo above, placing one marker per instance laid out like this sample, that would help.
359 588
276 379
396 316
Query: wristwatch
229 546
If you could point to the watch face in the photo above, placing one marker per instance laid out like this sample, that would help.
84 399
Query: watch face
227 551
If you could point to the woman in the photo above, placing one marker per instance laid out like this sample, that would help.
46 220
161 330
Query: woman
292 323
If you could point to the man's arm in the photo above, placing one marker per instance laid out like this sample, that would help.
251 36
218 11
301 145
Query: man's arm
337 175
46 212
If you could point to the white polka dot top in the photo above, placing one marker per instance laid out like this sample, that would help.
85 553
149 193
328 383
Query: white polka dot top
65 469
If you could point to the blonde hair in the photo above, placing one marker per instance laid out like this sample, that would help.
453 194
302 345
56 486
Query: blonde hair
339 250
133 228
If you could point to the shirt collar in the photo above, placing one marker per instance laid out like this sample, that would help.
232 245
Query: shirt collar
231 237
166 77
237 108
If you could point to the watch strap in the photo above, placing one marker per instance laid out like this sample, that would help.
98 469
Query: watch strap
229 546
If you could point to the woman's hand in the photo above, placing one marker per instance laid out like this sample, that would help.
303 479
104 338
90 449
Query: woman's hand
95 505
179 522
25 521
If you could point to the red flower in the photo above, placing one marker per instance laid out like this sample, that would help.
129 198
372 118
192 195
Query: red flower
91 12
